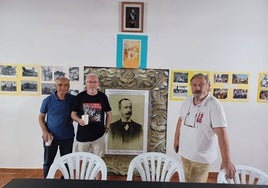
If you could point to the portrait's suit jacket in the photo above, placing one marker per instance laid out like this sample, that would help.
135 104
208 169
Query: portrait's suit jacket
125 131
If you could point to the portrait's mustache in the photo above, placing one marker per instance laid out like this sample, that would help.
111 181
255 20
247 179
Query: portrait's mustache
129 113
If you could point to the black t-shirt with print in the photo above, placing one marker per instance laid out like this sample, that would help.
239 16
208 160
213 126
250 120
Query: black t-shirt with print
94 106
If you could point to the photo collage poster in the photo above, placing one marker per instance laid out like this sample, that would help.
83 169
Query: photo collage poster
19 79
180 83
51 73
36 80
225 86
262 95
230 86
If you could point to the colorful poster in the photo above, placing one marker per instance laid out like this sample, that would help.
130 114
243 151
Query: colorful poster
230 86
131 51
262 94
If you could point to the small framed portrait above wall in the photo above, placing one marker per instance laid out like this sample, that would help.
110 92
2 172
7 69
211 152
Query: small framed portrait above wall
132 16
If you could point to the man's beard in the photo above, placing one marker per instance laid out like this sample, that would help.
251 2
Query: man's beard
199 94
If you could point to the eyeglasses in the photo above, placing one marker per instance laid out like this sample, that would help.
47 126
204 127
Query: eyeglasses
192 118
92 82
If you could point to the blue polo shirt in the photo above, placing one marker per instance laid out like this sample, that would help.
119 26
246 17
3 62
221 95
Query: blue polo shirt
58 116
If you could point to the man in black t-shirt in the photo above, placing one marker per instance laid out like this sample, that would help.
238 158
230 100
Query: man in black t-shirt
95 105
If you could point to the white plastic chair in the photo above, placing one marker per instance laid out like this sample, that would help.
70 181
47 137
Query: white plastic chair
79 165
154 166
244 175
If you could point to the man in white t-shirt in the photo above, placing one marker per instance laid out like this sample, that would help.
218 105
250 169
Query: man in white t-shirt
200 128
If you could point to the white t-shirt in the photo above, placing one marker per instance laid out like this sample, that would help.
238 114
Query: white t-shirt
198 141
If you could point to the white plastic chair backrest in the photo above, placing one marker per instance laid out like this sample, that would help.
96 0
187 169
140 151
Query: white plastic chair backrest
79 165
244 175
155 166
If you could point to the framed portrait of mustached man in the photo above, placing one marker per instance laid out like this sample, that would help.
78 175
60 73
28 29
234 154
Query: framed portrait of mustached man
128 129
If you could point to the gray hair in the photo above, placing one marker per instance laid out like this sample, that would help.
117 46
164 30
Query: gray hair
201 75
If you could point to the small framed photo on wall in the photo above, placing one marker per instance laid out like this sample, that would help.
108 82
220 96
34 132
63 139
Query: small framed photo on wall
132 16
131 51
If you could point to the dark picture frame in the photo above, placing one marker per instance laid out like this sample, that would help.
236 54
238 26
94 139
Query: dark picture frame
132 17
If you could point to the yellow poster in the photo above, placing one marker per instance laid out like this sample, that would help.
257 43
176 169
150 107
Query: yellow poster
180 83
262 95
229 86
19 79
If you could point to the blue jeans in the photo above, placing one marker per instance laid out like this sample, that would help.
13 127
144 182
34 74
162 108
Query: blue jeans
65 147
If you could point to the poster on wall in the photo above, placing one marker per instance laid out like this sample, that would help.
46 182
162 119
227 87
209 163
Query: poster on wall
262 95
8 77
128 129
20 79
29 83
50 73
180 83
229 86
131 51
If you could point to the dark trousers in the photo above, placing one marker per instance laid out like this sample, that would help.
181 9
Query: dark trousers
65 147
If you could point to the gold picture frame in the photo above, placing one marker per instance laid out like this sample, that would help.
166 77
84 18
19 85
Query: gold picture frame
156 82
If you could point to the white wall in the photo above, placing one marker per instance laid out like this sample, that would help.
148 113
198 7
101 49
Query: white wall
214 35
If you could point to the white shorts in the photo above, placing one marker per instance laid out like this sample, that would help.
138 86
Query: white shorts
96 147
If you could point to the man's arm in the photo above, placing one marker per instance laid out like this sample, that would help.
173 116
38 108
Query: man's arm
43 125
177 135
76 118
225 151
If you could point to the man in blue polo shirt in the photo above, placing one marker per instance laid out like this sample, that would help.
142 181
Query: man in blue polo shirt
56 123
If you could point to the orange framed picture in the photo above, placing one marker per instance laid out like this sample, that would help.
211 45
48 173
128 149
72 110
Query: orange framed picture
131 51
